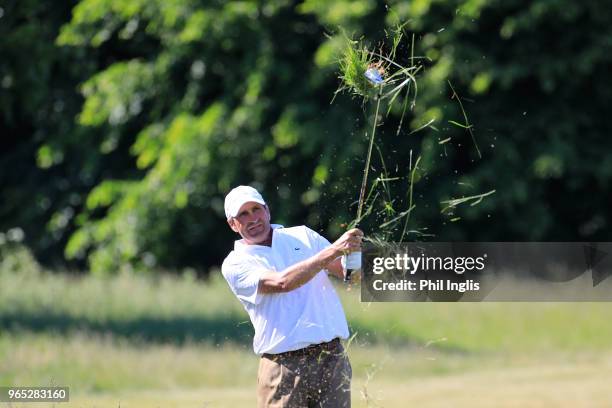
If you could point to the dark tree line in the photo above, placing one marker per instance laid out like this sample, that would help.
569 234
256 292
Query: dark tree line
124 123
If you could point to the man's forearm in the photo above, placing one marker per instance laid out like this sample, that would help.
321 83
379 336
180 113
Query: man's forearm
298 274
335 268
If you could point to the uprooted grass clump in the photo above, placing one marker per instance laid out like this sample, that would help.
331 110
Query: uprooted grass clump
373 75
386 75
354 62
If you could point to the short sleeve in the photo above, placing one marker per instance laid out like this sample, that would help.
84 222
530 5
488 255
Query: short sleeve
318 242
243 278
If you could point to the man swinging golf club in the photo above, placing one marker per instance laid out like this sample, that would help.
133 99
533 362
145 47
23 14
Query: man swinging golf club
279 276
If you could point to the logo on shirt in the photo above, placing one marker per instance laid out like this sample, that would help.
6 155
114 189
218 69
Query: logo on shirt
297 249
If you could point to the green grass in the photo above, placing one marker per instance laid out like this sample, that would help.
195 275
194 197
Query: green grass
140 341
104 363
158 309
103 371
486 327
182 309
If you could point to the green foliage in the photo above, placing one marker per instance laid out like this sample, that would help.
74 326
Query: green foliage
173 175
17 259
117 93
136 118
200 121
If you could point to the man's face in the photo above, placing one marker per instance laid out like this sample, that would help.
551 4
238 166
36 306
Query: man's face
252 223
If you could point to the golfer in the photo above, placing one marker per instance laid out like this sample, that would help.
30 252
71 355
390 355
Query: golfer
280 275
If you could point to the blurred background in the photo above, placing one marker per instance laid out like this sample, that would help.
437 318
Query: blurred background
124 124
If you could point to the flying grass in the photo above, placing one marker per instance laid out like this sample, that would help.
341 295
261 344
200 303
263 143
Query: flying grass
426 125
473 200
364 181
466 125
411 206
353 64
376 76
386 80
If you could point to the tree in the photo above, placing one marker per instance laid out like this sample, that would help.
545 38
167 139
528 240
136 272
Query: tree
182 100
42 189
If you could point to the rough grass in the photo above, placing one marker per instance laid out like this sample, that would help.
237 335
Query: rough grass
103 363
176 341
182 309
107 372
486 327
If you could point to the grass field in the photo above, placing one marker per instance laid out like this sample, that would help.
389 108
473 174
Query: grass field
139 342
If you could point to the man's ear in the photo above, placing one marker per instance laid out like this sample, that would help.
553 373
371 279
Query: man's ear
231 224
268 211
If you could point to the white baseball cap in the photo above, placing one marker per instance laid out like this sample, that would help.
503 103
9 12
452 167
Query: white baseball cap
238 196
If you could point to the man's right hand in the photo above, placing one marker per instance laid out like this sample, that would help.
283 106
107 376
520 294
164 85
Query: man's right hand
349 242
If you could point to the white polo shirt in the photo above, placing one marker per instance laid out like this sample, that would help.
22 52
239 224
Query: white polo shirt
310 314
